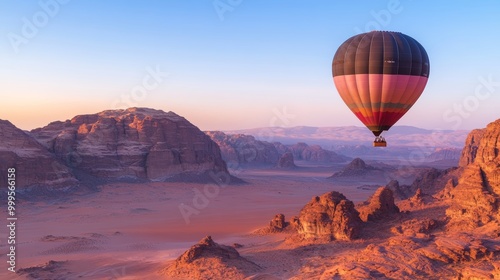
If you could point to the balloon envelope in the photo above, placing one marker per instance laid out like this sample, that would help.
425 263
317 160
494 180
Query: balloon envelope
380 75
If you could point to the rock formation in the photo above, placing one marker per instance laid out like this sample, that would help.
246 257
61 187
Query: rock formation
415 227
286 161
240 149
357 167
133 143
476 199
399 192
35 166
379 206
471 145
278 223
209 260
330 216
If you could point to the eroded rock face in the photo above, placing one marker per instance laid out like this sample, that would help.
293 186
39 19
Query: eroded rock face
471 145
476 199
380 205
136 142
330 215
286 161
35 166
209 260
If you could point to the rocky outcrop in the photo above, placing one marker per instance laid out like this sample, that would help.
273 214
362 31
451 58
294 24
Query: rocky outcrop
379 206
278 223
476 200
286 161
420 257
133 143
357 167
416 227
430 181
399 192
209 260
34 165
240 149
330 216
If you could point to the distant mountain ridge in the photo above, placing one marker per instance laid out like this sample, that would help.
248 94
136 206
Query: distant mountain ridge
397 136
403 142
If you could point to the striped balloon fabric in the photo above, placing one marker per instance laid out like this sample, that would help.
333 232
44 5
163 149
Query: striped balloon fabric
380 75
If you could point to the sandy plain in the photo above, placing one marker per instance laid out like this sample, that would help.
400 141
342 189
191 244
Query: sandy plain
133 231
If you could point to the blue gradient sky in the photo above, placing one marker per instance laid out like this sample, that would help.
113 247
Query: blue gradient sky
240 68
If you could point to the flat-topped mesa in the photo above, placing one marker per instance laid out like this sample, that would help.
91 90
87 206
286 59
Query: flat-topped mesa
136 142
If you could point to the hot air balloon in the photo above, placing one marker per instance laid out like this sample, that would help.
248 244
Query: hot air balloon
380 75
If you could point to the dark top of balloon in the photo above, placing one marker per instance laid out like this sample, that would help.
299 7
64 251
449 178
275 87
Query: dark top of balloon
381 52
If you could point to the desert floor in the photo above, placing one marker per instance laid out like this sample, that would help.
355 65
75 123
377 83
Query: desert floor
132 231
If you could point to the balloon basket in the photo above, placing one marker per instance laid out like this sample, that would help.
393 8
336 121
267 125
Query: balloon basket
379 144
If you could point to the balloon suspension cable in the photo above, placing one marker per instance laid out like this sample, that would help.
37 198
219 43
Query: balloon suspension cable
379 142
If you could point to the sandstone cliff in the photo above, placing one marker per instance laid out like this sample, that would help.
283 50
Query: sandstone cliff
476 200
133 143
35 166
471 145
